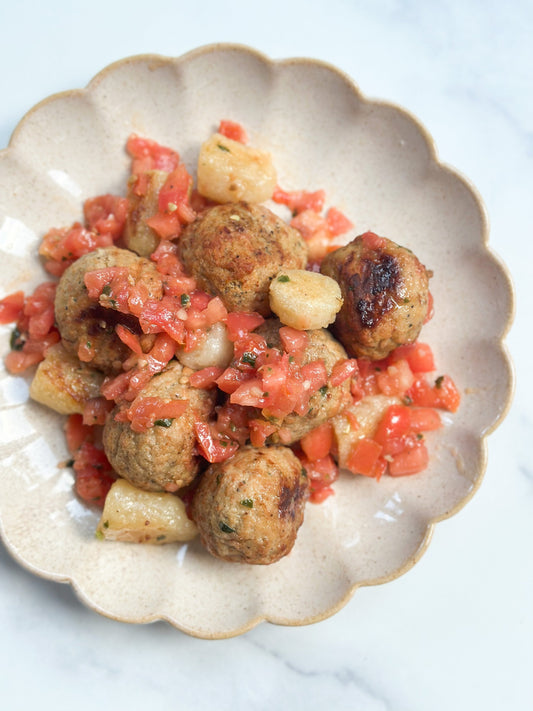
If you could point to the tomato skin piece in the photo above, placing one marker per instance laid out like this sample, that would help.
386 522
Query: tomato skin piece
206 378
317 443
364 457
300 200
342 370
396 379
337 222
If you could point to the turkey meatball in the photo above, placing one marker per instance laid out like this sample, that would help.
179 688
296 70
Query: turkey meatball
235 250
84 323
386 295
326 402
249 508
163 458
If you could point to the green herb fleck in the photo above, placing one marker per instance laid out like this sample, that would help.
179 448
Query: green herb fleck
249 503
70 463
223 148
105 524
419 435
106 291
16 341
249 358
225 528
283 278
185 300
439 381
99 535
323 390
161 537
164 422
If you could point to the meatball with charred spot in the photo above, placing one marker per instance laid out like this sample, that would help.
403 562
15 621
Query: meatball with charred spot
235 250
84 322
323 404
249 508
386 295
164 457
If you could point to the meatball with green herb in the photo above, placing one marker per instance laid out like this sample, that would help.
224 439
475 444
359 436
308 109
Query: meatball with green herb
249 508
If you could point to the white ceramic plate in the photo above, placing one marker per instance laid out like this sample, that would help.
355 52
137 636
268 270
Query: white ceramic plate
378 165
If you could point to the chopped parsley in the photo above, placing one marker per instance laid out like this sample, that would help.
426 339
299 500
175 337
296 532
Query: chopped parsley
164 422
283 278
225 528
439 381
185 300
249 358
249 503
223 148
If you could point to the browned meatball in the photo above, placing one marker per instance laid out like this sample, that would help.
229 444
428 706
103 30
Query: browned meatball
326 402
164 456
386 295
249 508
235 250
82 321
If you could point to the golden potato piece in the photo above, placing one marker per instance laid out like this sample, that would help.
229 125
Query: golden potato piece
63 383
229 171
137 516
305 300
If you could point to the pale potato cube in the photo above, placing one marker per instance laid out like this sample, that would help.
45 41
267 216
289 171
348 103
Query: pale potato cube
63 383
229 171
368 413
138 236
137 516
305 300
215 349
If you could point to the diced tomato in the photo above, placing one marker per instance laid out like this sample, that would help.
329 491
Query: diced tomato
424 419
145 412
206 377
260 430
342 370
212 446
106 214
128 338
250 393
396 379
76 432
150 155
322 473
443 394
431 309
239 324
233 131
167 226
299 200
96 410
317 443
364 456
396 422
418 355
338 223
410 461
11 307
231 379
293 341
94 475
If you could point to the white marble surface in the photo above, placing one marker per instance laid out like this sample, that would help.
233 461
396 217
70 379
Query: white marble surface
456 632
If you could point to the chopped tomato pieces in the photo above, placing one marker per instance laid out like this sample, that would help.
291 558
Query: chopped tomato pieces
233 130
364 457
442 394
410 461
299 200
213 446
419 356
317 443
11 307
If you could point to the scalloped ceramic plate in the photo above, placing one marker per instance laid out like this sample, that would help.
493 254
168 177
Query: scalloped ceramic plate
378 165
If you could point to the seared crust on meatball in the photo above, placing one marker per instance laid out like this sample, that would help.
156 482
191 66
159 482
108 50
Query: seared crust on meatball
235 250
161 458
386 295
82 321
249 508
326 402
